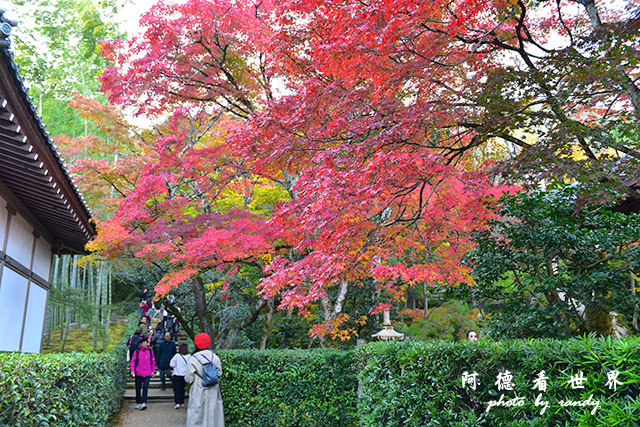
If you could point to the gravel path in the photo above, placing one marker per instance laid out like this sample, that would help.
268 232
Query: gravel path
158 414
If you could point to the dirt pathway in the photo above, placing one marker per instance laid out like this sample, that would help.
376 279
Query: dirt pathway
158 414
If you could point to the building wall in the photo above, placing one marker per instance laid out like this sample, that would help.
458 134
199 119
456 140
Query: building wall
25 267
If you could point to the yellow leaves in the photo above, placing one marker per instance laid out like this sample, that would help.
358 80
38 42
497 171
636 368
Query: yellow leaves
266 258
228 200
468 279
96 245
214 285
259 196
265 197
190 211
443 244
89 260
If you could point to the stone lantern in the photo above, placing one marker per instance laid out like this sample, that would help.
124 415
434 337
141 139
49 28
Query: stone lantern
387 333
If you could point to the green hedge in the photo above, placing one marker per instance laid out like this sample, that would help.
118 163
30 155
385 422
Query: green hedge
382 384
420 384
63 389
289 388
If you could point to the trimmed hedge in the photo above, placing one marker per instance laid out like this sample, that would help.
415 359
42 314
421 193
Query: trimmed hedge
62 389
420 384
381 384
289 387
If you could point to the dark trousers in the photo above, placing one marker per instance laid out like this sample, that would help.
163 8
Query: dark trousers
163 372
178 389
142 388
156 353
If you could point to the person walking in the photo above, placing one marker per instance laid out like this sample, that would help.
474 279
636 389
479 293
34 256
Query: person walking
173 327
205 404
143 297
167 350
145 306
156 340
134 342
142 365
178 364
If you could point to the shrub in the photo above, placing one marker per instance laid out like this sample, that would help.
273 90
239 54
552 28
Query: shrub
555 266
450 322
289 387
60 389
63 389
420 384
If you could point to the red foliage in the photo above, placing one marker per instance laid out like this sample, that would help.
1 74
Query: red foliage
364 93
179 214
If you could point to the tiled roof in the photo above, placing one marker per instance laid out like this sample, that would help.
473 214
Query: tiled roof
31 167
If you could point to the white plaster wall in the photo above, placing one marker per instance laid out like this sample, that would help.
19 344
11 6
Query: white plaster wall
34 322
3 219
20 241
13 293
42 259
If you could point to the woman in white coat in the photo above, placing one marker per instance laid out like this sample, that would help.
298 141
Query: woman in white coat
205 404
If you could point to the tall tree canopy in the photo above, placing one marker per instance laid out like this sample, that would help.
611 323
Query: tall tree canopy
57 48
370 115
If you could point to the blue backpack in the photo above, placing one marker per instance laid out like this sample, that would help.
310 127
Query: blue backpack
209 373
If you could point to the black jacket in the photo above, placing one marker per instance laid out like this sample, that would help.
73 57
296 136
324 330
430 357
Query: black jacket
167 350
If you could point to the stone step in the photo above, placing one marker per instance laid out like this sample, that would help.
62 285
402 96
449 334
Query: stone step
153 395
131 384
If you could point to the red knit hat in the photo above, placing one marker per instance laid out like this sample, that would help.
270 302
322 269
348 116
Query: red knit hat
202 341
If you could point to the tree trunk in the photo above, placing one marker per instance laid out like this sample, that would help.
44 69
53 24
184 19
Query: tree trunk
425 288
331 312
636 312
65 287
85 292
181 319
95 300
411 298
104 305
204 317
268 323
49 319
65 334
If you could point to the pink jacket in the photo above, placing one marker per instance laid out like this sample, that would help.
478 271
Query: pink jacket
147 363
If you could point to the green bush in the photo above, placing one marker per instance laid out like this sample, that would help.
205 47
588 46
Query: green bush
449 322
289 387
420 384
555 266
62 389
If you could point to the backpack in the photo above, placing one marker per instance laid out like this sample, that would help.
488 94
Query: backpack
157 336
209 373
134 342
151 356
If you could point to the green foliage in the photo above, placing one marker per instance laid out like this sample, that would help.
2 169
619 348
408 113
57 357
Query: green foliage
420 384
56 47
554 266
73 389
289 333
289 387
449 322
61 389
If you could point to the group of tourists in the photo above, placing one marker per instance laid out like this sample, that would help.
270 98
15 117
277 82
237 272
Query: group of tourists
151 354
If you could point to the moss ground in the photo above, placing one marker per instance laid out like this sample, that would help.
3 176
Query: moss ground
80 340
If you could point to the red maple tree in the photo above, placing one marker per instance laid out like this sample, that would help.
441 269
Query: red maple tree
370 116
